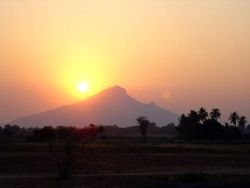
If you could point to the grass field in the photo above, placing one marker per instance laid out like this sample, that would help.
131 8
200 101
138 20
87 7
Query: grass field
130 164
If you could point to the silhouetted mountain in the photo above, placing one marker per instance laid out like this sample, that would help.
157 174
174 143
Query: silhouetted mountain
112 106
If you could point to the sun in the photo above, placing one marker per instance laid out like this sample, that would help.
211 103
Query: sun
83 87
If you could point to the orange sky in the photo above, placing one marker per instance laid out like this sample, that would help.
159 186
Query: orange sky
181 54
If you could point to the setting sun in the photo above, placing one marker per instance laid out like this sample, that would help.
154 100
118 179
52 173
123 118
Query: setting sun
83 87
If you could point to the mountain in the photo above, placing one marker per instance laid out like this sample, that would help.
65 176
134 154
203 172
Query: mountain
112 106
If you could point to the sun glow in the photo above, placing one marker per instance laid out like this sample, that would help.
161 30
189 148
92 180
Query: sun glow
83 87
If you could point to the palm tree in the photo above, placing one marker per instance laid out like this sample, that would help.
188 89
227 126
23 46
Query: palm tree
194 116
234 118
143 124
182 119
215 114
203 114
242 123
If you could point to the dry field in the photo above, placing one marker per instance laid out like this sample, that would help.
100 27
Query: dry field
129 165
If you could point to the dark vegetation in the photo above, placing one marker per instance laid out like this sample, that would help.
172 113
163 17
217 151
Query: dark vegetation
202 125
143 124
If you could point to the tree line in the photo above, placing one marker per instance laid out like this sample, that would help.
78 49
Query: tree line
199 124
202 124
51 134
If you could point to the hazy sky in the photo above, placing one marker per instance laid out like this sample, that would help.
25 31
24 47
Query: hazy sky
182 54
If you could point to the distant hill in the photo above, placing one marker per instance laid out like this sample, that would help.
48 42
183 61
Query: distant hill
112 106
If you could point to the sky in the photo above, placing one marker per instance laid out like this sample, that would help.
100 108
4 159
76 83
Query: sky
181 54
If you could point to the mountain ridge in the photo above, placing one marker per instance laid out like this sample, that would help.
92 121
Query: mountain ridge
112 106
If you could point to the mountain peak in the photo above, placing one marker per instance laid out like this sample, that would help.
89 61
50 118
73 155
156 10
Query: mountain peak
115 90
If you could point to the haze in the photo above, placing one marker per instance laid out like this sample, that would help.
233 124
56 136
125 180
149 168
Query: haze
181 54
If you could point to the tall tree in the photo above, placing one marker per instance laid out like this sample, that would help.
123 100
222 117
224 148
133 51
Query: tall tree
215 114
242 123
234 118
143 124
182 119
203 114
194 116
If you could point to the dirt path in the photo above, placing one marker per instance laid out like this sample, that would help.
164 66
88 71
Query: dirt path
223 172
